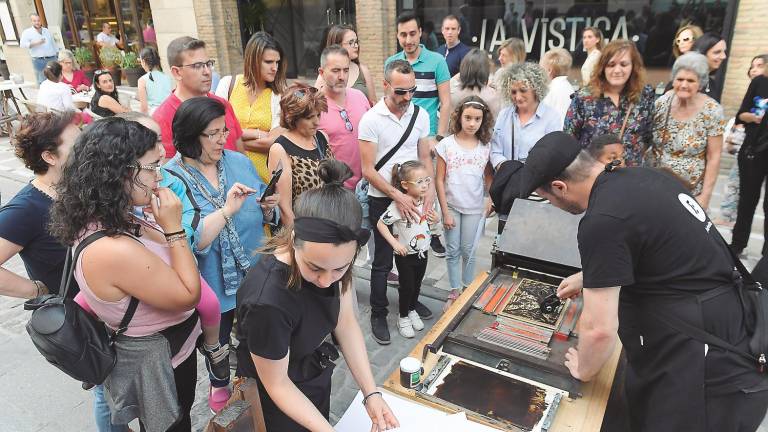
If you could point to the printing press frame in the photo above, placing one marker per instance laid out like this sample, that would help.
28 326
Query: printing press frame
452 334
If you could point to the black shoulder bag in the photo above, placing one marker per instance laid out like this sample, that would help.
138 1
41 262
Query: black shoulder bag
69 337
361 189
754 303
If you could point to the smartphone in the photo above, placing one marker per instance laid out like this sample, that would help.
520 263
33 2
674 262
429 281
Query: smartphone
272 186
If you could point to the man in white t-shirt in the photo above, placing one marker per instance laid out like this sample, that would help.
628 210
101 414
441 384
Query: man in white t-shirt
380 130
106 38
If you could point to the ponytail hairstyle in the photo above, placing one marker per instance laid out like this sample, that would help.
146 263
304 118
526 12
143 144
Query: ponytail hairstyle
152 59
331 201
404 172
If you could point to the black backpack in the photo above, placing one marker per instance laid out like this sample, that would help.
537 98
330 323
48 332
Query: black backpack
69 337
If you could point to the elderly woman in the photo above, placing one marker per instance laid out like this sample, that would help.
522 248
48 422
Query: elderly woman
225 187
688 128
557 62
472 80
615 102
302 146
526 120
71 73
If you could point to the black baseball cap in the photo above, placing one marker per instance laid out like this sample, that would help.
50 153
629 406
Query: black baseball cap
549 157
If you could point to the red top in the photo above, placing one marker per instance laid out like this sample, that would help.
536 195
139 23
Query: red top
78 77
164 117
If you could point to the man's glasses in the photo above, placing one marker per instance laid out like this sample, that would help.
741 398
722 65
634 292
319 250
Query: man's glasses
223 133
403 92
420 182
303 92
155 168
345 117
200 65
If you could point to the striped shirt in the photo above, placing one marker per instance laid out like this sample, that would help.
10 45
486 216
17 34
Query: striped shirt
431 70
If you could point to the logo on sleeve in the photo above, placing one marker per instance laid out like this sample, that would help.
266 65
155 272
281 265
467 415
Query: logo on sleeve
693 207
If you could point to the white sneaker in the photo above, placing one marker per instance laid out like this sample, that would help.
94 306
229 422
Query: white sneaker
416 321
405 327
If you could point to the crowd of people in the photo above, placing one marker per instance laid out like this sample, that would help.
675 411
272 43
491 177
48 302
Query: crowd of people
198 239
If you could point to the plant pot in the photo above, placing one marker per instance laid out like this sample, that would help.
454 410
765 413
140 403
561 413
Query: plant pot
117 75
132 75
88 71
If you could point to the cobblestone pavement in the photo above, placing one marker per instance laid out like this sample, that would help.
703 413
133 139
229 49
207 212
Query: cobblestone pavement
37 397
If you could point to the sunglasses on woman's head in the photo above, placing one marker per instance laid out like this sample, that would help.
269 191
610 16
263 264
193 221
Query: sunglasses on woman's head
303 92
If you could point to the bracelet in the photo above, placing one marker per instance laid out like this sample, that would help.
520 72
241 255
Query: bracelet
174 238
227 218
40 288
167 235
365 399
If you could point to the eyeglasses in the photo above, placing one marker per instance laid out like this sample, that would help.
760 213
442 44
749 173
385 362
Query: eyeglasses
199 65
353 42
420 182
402 91
223 133
345 117
155 168
303 92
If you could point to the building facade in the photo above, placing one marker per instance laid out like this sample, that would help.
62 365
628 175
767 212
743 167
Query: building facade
299 26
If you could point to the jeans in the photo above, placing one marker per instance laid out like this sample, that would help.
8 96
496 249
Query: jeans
411 269
102 414
752 174
39 64
459 242
382 258
225 329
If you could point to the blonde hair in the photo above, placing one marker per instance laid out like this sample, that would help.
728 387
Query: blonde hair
697 33
559 60
516 47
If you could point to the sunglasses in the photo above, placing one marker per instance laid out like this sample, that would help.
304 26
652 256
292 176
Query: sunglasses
685 39
303 92
403 92
100 72
345 117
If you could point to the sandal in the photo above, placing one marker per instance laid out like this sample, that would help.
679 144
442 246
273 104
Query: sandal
452 296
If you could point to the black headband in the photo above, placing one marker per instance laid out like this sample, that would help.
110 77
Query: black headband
321 230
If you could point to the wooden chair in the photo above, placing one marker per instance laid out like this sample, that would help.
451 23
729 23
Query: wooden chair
33 107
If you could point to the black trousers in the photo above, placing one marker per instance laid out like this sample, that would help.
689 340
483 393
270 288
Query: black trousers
752 174
410 269
382 258
738 412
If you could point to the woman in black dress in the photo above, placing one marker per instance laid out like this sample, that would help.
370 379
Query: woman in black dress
291 301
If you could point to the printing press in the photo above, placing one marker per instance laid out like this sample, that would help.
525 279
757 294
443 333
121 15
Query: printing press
500 358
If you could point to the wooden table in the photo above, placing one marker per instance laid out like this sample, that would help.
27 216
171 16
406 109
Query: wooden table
81 100
579 415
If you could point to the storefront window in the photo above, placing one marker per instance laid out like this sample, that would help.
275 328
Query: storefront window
543 25
132 22
298 26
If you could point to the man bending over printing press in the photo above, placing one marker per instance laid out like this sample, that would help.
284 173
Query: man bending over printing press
653 267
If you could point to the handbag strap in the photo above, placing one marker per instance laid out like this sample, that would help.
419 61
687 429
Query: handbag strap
69 271
384 159
626 118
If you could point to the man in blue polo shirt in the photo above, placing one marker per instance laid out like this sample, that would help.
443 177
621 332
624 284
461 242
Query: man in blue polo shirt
433 91
453 50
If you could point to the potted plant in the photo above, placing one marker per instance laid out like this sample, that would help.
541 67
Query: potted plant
132 68
84 57
111 58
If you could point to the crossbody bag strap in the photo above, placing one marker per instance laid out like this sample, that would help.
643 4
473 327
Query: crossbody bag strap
626 119
384 159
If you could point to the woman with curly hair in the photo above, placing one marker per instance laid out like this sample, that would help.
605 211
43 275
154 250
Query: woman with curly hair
43 143
463 177
113 168
301 147
615 102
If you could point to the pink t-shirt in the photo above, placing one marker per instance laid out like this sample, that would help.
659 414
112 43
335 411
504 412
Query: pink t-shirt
164 117
343 141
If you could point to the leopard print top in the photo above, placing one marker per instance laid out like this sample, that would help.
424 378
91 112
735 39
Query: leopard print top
304 163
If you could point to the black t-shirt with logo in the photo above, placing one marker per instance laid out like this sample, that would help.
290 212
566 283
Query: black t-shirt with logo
644 232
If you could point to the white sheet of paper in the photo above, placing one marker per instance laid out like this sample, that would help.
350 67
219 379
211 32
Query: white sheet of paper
412 416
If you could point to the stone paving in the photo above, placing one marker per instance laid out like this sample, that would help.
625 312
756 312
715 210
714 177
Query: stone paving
37 397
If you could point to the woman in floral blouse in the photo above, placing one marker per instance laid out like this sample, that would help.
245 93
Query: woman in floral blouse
615 102
688 128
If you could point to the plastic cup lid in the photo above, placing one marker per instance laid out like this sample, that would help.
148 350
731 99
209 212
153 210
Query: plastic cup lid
410 364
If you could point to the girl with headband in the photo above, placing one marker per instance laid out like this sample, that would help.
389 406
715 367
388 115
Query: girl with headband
298 293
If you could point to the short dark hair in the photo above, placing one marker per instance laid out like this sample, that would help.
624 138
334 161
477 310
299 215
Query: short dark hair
595 148
706 41
180 45
407 17
38 133
474 70
452 17
190 121
52 71
401 66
